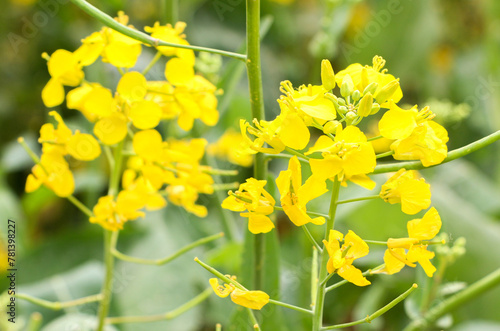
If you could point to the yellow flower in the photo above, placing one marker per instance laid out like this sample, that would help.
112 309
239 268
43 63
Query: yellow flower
111 214
186 196
295 196
148 144
111 129
418 137
349 156
406 188
64 69
249 299
387 86
341 258
252 196
132 86
172 35
231 146
115 48
53 172
395 258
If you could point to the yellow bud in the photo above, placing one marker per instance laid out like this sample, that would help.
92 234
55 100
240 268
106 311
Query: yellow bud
331 127
365 105
387 91
356 95
327 75
370 88
347 86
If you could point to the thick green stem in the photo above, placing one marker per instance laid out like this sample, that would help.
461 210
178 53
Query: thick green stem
462 297
257 107
142 37
171 11
320 296
455 154
59 305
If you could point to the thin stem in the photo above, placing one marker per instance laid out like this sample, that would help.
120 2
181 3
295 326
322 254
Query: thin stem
455 154
171 11
381 155
368 272
294 152
217 273
107 285
142 37
253 319
285 156
327 279
28 150
226 186
254 72
471 292
376 314
59 305
80 206
162 317
310 213
289 306
320 297
169 258
311 238
358 199
374 138
152 63
376 242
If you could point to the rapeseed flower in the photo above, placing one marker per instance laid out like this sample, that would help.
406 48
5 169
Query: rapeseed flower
249 299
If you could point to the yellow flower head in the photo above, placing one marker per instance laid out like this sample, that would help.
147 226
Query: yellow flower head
252 197
407 251
342 257
387 86
295 196
173 35
349 156
231 146
249 299
406 188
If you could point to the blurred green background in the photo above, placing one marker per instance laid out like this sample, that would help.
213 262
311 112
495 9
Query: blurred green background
446 54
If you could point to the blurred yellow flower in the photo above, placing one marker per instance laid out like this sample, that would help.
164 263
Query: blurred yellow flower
53 172
231 146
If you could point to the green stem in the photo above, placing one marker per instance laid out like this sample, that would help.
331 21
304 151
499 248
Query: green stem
80 206
376 314
171 11
217 273
374 138
310 213
169 258
285 156
358 199
476 289
368 272
455 154
59 305
162 317
294 152
320 297
289 306
253 319
257 106
152 63
311 238
314 276
142 37
381 155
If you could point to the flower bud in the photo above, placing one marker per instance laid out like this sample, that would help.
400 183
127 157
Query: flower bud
370 88
327 75
341 102
342 110
331 126
365 105
356 95
375 109
387 91
347 86
350 117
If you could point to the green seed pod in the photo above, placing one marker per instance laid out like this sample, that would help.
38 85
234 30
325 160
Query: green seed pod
365 105
347 86
327 75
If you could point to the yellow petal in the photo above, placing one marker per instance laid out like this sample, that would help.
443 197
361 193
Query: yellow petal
393 264
221 291
427 227
258 223
111 129
84 147
53 93
358 248
63 65
99 102
132 86
398 123
178 71
250 299
353 275
121 54
294 133
148 144
145 114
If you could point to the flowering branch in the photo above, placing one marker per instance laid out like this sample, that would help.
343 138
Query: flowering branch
454 154
141 36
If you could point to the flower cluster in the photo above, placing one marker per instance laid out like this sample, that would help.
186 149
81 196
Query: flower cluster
342 153
125 123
